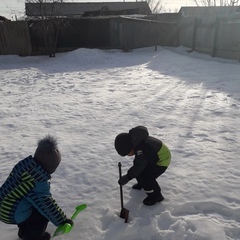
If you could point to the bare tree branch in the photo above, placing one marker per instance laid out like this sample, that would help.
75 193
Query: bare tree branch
208 3
156 5
48 13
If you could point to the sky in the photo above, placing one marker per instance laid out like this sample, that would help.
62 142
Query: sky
86 97
15 8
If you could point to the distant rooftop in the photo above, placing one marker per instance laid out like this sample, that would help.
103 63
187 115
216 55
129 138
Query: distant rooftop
78 9
208 11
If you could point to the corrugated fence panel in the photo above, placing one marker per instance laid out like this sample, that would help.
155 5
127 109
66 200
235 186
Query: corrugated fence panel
186 31
228 40
142 33
15 39
216 37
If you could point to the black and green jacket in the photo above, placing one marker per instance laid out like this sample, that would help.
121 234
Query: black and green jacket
28 186
149 151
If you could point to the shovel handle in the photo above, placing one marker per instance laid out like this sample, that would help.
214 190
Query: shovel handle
66 228
78 209
120 169
120 175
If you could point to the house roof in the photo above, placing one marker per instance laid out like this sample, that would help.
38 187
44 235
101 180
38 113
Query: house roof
213 11
78 9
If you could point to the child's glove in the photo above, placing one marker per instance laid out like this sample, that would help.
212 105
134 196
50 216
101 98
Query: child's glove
123 180
69 221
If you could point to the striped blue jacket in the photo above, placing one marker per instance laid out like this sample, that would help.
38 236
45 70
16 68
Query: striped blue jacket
28 186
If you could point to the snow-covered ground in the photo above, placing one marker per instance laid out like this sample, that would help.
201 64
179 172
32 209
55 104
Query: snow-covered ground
88 96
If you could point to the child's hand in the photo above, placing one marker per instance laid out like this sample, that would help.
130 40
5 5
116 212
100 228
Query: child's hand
69 221
123 180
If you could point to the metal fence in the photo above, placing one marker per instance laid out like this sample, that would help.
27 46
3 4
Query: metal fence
218 37
132 33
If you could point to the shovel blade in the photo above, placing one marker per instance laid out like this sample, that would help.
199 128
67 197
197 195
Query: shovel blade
66 228
124 214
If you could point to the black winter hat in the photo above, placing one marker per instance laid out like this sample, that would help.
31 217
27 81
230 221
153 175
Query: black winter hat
123 144
47 154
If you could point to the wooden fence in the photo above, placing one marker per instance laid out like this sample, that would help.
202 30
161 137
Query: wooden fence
118 32
14 38
123 33
216 37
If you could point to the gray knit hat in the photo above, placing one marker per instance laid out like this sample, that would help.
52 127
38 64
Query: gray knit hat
47 154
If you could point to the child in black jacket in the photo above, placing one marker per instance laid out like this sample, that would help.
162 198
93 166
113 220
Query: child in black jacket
152 158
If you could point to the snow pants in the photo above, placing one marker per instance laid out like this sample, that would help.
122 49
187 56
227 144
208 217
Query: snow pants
147 179
34 227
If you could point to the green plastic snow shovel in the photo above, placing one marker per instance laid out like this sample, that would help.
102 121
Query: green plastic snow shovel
66 228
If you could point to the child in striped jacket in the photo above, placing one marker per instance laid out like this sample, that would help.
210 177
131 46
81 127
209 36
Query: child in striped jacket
25 197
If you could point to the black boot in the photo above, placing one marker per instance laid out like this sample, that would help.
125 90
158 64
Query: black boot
20 233
153 198
46 236
137 186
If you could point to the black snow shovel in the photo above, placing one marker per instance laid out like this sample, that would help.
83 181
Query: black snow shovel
124 212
